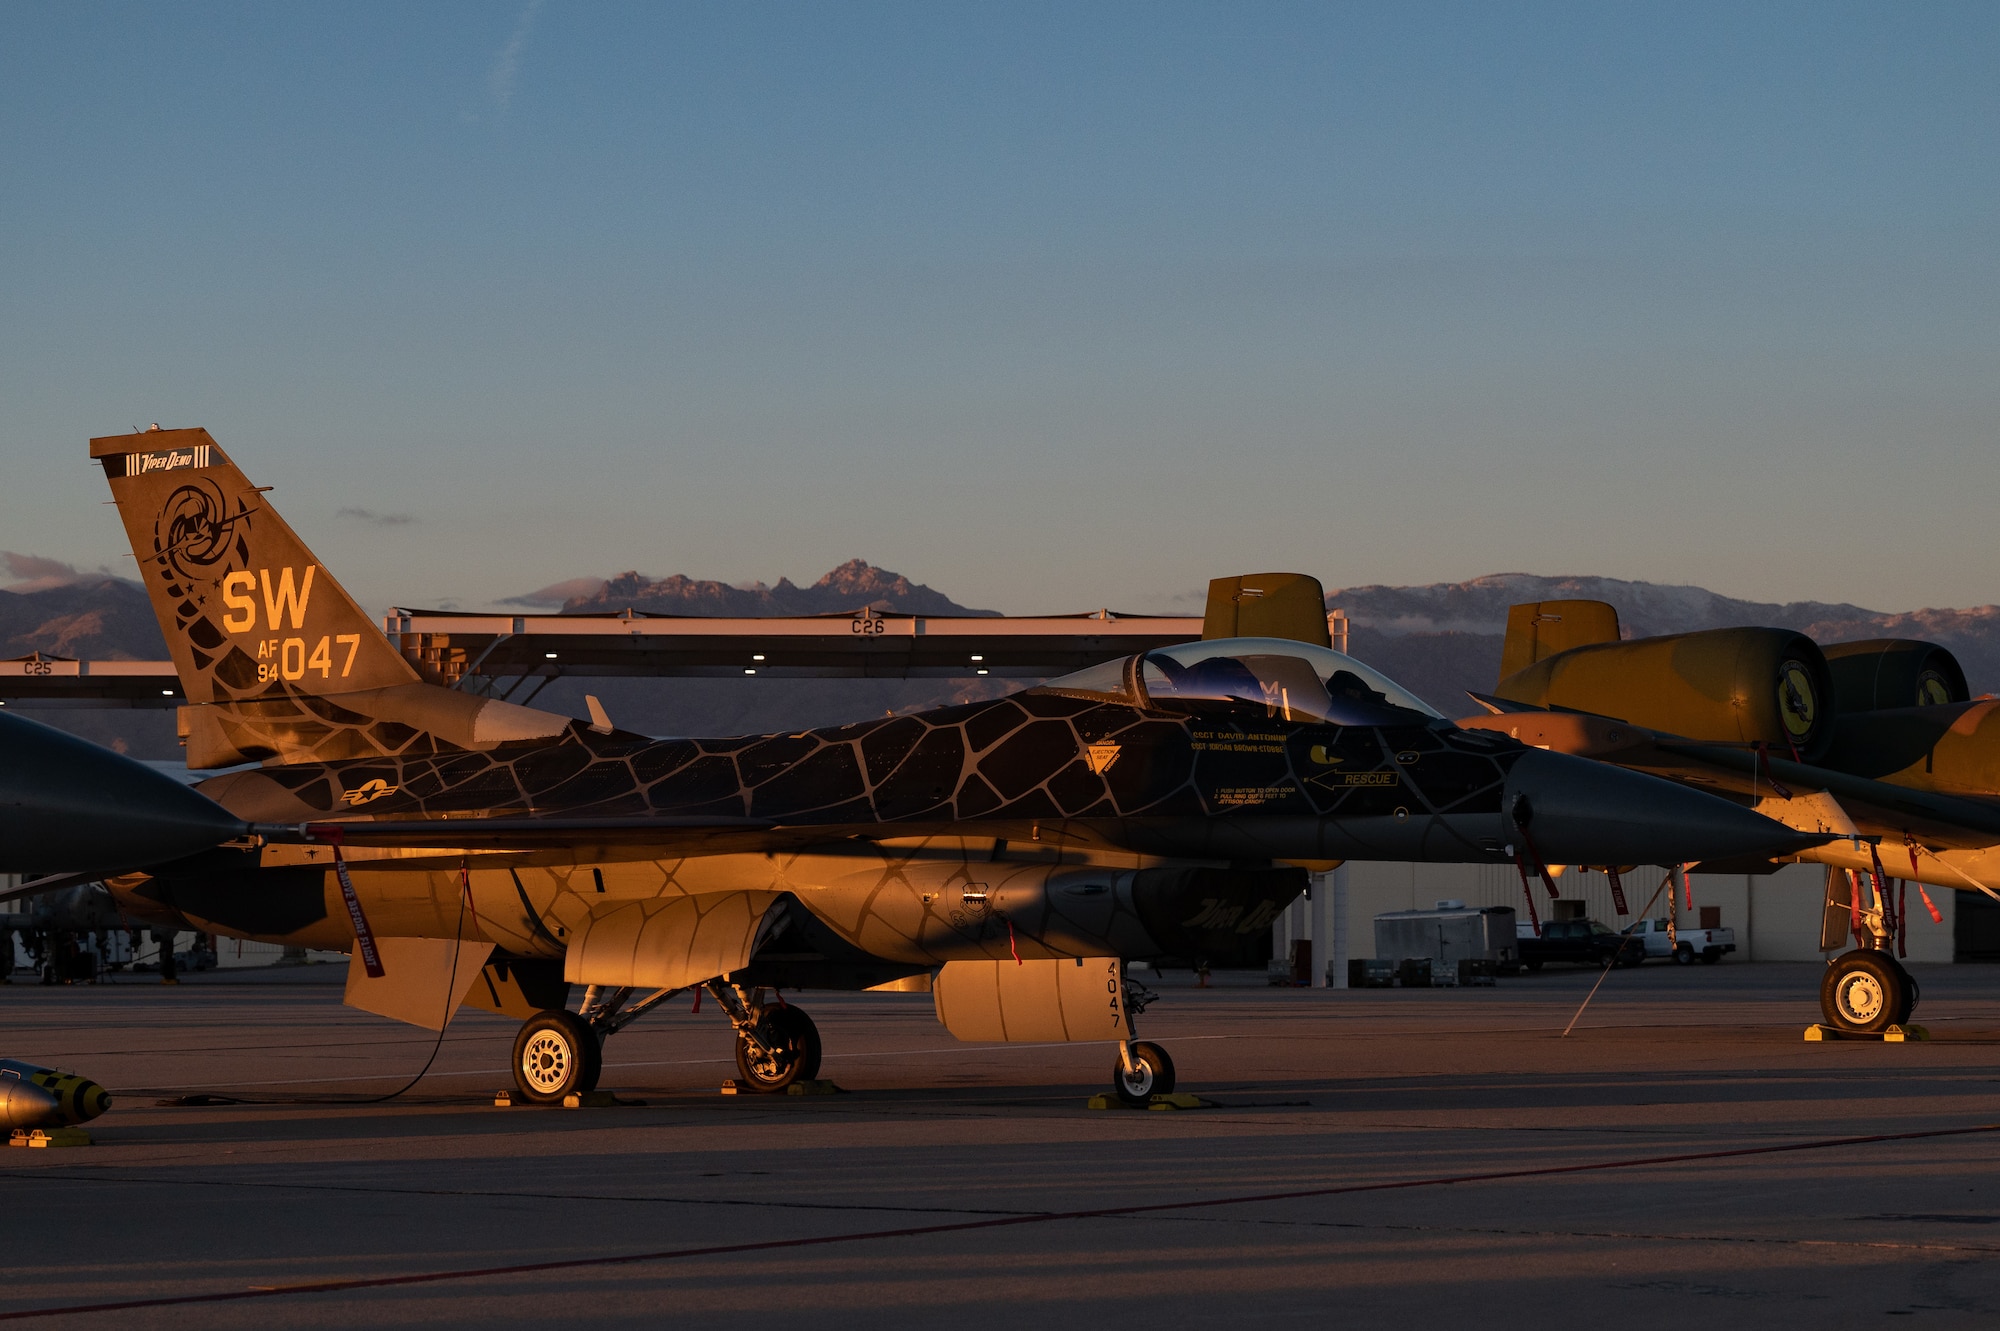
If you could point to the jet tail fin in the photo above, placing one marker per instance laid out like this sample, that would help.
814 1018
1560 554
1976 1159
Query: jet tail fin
1537 630
1267 605
242 601
275 658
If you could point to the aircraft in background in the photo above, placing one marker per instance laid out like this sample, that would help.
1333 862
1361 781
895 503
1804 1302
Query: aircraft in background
1019 850
1875 744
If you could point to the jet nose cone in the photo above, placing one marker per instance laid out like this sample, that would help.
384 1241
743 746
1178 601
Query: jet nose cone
68 806
1583 812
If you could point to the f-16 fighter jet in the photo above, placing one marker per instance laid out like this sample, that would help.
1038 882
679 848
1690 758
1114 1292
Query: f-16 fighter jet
1875 743
1019 850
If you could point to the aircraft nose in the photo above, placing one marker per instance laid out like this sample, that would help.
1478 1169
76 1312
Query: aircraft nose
1577 811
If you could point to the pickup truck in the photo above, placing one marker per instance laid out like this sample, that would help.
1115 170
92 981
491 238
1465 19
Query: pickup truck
1689 945
1580 942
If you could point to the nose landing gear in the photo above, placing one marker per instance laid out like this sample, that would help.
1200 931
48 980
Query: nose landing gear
1143 1070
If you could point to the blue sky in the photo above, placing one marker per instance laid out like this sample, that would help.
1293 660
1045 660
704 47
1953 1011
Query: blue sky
1048 306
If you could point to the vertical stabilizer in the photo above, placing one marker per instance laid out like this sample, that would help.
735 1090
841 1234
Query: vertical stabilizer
1267 605
276 659
1537 630
247 610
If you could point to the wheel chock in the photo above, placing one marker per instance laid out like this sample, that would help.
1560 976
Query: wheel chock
503 1099
1891 1035
813 1088
729 1087
1180 1100
1177 1100
42 1137
599 1100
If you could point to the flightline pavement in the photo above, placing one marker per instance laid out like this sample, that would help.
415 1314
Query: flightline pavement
1375 1155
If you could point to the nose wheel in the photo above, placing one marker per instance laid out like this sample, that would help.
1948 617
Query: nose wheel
1142 1072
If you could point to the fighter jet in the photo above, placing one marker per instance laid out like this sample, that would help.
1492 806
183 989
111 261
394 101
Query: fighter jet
1875 743
1019 850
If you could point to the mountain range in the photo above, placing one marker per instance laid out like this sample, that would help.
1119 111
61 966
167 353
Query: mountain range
1438 640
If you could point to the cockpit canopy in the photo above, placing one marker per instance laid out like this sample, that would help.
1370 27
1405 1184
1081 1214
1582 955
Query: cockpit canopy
1267 677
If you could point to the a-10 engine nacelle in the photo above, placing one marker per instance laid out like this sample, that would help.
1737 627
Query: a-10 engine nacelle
1892 709
1733 686
1893 672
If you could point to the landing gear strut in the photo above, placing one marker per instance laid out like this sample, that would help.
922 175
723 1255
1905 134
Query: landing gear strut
560 1053
776 1043
1143 1069
1865 990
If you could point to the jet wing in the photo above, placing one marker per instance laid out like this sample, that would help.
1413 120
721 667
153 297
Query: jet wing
669 835
1876 807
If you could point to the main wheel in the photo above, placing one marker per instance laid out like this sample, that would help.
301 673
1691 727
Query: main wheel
556 1054
792 1050
1152 1074
1863 991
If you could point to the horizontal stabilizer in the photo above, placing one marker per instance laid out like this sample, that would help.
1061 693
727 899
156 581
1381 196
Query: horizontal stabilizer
1502 706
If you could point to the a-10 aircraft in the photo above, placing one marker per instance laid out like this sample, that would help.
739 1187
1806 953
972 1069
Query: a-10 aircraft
1019 850
1876 743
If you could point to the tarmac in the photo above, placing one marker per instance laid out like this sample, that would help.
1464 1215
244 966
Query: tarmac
1371 1158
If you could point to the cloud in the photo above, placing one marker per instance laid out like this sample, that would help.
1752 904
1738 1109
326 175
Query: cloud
375 519
36 573
556 593
506 68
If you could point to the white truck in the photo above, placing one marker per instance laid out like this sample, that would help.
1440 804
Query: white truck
1687 945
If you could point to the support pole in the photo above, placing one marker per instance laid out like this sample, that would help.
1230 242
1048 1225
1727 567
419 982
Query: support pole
1322 927
1338 879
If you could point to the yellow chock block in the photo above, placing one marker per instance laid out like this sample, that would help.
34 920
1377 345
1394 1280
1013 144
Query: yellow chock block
813 1088
1180 1100
1177 1100
503 1099
729 1087
595 1100
44 1137
1890 1035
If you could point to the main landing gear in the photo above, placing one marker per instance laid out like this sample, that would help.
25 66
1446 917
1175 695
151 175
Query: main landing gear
1143 1069
560 1053
776 1043
1867 991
